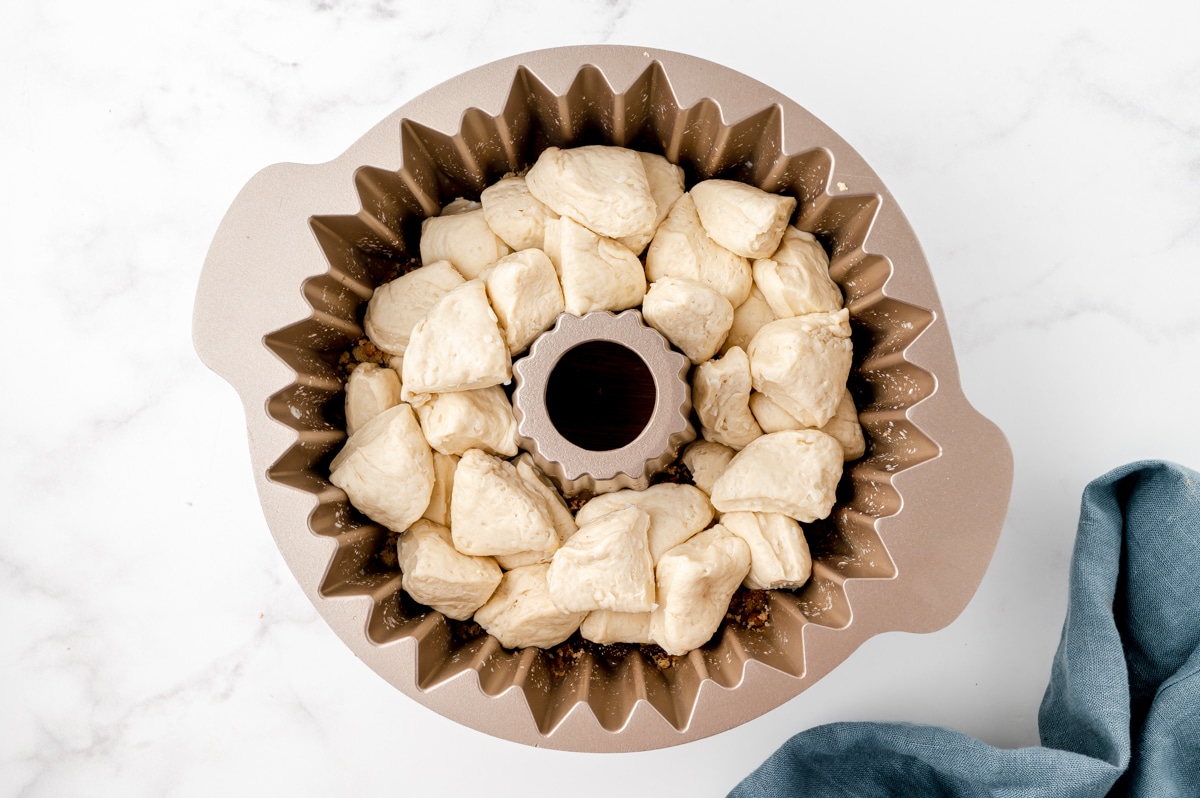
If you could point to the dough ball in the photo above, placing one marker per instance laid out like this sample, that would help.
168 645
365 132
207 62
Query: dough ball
721 397
794 472
396 307
795 279
666 186
494 511
444 466
748 318
692 316
607 627
464 239
605 189
779 554
802 363
520 613
560 515
514 214
458 346
596 273
369 391
434 573
460 420
606 565
681 248
695 581
524 292
742 218
676 512
707 461
386 469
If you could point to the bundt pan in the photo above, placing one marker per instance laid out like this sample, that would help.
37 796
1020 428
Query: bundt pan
301 249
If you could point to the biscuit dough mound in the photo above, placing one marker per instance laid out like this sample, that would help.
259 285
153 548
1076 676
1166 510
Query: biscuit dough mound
695 581
844 425
779 555
603 188
524 292
514 214
386 469
676 512
802 363
370 390
607 627
458 346
520 613
606 565
438 510
396 307
464 239
681 248
434 573
692 316
460 420
560 515
707 461
795 279
721 397
596 273
748 318
494 511
742 218
794 472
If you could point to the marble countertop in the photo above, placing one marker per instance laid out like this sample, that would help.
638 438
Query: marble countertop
154 642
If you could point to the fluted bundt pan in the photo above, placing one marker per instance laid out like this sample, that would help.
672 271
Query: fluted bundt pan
300 251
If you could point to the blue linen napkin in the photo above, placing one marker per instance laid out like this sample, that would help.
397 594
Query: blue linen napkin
1122 713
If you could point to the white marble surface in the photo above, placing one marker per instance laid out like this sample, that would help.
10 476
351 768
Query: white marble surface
153 641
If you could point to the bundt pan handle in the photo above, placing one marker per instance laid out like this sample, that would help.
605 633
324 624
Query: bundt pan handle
252 285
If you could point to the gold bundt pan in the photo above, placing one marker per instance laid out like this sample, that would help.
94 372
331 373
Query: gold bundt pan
301 249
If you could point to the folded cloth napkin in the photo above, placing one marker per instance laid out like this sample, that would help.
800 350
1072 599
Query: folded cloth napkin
1122 713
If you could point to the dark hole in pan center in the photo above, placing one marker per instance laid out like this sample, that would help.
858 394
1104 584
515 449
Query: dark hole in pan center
600 396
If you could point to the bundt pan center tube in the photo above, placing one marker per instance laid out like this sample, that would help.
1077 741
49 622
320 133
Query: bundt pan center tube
303 247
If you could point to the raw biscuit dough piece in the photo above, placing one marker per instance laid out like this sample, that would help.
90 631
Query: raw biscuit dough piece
524 292
795 279
844 426
458 346
603 188
676 512
779 555
396 307
742 218
444 466
666 186
369 391
607 627
606 565
386 469
464 239
748 318
595 273
460 205
802 363
460 420
721 396
794 472
434 573
514 214
707 460
560 515
846 429
494 511
681 248
520 613
770 416
692 316
695 581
